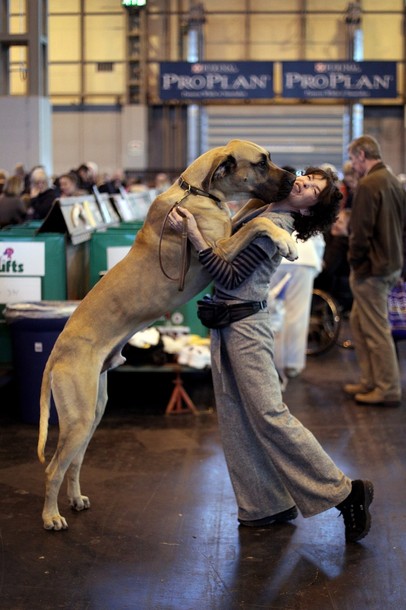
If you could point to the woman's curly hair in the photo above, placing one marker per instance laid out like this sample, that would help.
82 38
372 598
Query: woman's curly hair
319 217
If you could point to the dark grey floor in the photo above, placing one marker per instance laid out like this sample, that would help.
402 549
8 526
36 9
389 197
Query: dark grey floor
162 532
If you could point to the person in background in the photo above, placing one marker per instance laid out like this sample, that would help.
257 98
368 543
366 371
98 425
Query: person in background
402 179
376 259
112 183
3 177
162 183
275 464
42 194
334 276
93 172
68 185
136 185
12 207
348 184
86 180
19 170
291 340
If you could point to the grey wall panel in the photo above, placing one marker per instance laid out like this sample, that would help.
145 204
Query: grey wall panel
298 136
26 132
112 139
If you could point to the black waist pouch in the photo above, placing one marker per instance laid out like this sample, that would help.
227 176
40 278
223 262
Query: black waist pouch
216 314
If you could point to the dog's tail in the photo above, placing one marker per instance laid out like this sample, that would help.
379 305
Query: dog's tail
45 408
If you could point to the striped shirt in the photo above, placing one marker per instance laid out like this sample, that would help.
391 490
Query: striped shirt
231 274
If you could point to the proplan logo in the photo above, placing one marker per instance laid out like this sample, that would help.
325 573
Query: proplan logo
8 265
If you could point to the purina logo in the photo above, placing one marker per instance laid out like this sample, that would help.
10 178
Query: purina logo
7 264
347 67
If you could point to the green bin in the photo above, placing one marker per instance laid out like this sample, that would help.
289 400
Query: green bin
114 237
53 283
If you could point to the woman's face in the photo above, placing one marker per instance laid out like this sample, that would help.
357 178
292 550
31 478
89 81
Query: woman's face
340 226
67 187
306 191
350 180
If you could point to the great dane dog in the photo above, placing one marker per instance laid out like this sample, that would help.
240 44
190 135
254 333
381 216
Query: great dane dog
141 288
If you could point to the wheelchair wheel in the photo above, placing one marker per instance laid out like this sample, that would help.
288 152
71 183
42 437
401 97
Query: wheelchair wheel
325 323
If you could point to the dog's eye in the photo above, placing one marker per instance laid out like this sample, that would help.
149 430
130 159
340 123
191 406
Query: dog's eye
262 164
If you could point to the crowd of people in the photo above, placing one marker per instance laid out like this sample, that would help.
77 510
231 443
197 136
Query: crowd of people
29 195
323 262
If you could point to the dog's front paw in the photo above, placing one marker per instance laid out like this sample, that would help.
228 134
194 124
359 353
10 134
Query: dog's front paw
286 246
79 503
56 522
219 251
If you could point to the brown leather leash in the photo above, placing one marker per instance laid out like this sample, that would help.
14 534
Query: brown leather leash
185 246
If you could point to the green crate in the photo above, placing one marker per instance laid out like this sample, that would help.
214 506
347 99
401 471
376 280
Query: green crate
101 240
53 283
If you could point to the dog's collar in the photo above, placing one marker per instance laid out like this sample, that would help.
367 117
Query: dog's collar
196 191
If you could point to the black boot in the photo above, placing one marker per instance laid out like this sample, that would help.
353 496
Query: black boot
354 509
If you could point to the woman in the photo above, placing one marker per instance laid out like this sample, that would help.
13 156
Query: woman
13 210
42 194
334 277
291 340
67 185
275 464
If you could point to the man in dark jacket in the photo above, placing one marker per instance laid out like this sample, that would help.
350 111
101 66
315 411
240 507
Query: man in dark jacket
376 260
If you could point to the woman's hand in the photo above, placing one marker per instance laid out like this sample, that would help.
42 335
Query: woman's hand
175 220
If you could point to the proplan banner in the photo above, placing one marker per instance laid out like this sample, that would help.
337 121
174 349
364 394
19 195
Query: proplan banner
216 80
339 79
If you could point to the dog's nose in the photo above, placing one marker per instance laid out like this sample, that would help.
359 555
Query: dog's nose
286 185
290 178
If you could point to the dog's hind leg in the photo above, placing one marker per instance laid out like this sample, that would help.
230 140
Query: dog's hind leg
75 399
76 500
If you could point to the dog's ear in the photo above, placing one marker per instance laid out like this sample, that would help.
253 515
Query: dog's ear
221 167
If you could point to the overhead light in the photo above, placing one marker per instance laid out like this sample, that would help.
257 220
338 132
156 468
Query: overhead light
130 3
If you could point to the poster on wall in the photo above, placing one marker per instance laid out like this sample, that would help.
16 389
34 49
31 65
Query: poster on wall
216 80
339 79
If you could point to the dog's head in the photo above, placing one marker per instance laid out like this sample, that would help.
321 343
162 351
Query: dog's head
243 167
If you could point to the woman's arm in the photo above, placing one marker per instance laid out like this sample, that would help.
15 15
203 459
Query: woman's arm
228 274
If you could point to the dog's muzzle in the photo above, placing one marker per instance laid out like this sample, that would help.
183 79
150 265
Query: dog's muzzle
286 185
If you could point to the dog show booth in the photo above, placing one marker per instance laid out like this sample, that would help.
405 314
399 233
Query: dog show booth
48 266
109 246
32 268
